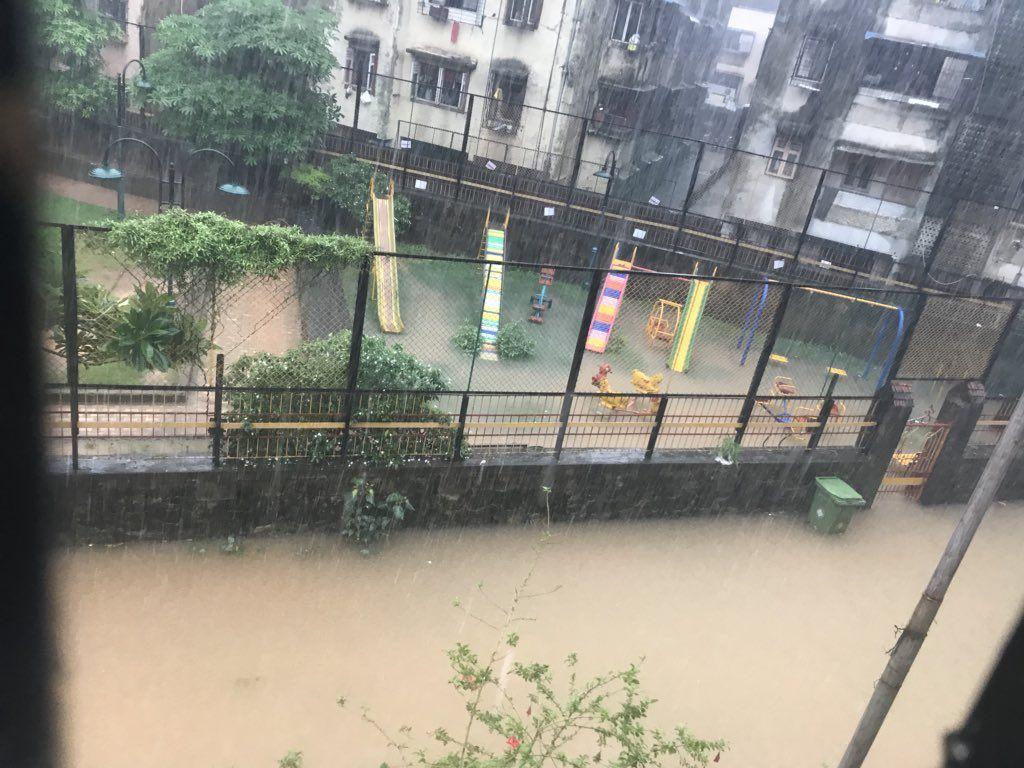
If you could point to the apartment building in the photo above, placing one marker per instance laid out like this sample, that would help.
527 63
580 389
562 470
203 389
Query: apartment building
627 66
875 92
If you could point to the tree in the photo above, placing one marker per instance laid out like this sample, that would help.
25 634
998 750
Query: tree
69 43
345 183
245 75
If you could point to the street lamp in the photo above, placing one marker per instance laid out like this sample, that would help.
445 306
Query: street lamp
607 172
107 172
122 111
228 188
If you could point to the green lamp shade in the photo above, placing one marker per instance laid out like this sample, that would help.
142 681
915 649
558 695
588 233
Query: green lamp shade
108 173
233 189
143 84
602 174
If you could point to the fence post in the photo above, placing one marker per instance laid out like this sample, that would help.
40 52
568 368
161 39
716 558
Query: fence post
808 219
460 431
70 286
686 200
1001 341
824 413
218 409
762 362
465 146
355 347
596 281
355 112
577 159
734 251
960 411
659 416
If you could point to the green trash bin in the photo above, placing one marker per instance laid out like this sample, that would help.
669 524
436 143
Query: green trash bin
833 505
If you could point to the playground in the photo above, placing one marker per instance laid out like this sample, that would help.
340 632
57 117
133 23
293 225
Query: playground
695 334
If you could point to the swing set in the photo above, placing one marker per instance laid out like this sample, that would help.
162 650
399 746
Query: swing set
893 319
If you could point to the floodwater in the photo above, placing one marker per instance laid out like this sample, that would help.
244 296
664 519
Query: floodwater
754 630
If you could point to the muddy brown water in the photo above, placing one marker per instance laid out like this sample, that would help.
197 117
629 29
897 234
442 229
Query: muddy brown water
754 630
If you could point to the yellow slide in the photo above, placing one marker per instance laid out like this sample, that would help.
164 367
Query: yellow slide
385 268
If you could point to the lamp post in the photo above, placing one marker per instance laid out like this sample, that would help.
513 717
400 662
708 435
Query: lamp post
107 172
607 172
122 112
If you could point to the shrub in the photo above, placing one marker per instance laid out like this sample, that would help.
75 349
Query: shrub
366 519
467 338
323 364
206 249
513 341
147 331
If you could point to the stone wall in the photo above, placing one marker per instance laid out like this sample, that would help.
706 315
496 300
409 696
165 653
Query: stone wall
119 501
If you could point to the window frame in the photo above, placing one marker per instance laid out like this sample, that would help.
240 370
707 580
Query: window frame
740 35
502 112
368 76
529 16
785 155
810 79
629 6
438 87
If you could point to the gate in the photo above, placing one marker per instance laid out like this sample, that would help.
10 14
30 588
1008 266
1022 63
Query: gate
915 458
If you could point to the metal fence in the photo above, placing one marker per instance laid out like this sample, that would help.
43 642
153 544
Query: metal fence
623 357
679 206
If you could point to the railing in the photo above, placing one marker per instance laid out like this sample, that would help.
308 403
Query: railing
148 421
995 415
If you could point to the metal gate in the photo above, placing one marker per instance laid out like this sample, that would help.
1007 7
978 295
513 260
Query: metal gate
915 458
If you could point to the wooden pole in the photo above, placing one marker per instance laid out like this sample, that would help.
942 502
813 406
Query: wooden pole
912 637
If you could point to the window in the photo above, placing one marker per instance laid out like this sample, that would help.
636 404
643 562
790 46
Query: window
505 107
915 71
723 89
619 108
738 41
813 60
361 66
627 19
857 170
462 11
439 84
523 13
784 159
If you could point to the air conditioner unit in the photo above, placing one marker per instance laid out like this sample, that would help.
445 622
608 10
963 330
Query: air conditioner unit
439 12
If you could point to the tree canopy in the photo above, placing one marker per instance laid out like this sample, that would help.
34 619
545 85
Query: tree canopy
245 75
69 42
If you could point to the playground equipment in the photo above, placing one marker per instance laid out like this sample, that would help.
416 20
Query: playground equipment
894 316
385 268
682 346
664 319
612 293
644 384
539 302
750 323
492 250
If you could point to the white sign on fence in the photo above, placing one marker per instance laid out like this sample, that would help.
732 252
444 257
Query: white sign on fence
490 166
653 200
421 184
778 264
549 210
639 234
405 143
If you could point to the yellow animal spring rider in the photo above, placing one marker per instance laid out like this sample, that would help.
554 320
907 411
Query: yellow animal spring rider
644 385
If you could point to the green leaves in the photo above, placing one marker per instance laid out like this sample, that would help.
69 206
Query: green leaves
345 182
69 41
246 74
366 520
202 248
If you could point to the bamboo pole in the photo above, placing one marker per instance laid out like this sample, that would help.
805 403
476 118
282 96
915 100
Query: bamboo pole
912 637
